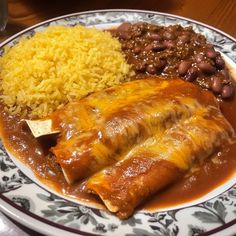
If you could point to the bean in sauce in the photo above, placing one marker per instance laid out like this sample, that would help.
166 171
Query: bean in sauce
217 85
192 74
176 51
183 67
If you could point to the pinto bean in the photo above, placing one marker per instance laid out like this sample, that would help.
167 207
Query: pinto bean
220 64
124 35
160 64
149 47
216 85
154 36
169 44
183 67
151 69
158 46
123 30
169 35
211 53
227 91
199 57
191 74
124 27
137 50
206 68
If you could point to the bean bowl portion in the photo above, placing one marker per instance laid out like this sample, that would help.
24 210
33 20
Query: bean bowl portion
175 50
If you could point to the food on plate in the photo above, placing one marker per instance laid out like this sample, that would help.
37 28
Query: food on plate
97 130
160 159
120 115
175 50
41 127
57 65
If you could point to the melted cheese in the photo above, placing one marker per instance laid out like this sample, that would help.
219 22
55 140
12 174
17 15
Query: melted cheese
101 128
156 162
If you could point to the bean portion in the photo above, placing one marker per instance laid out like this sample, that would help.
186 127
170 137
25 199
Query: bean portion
175 51
220 64
151 69
211 53
192 74
217 85
207 68
183 67
227 91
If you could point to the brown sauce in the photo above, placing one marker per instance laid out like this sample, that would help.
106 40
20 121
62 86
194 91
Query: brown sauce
35 154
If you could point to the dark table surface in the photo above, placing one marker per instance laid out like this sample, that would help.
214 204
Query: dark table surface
218 13
24 13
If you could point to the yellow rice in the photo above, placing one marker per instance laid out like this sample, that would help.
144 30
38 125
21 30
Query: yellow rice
57 65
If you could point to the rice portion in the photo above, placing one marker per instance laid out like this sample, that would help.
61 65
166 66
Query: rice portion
57 65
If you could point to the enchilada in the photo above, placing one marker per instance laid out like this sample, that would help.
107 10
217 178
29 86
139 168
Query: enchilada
98 130
160 160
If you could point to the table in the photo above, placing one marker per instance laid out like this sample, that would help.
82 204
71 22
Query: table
24 13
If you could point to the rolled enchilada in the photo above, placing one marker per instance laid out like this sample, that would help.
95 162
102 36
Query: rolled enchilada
98 130
159 160
133 139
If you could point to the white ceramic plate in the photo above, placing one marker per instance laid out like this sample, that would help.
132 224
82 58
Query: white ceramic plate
25 199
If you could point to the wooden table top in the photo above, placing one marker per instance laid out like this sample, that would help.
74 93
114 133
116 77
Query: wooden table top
24 13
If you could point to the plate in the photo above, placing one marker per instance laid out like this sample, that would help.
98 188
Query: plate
25 199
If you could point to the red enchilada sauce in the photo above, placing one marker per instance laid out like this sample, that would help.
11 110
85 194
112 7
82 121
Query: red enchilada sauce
35 153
